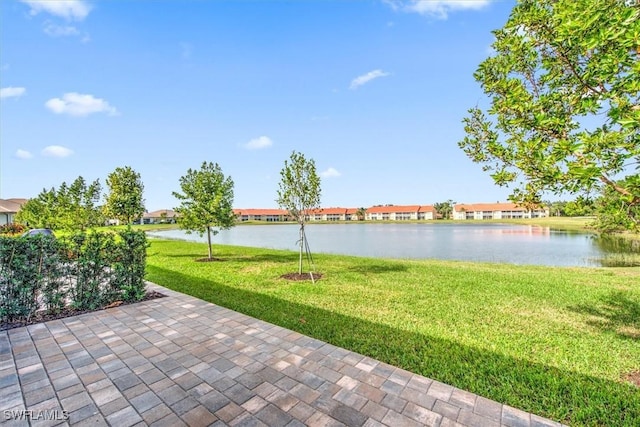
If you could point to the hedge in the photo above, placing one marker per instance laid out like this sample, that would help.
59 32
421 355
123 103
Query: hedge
83 271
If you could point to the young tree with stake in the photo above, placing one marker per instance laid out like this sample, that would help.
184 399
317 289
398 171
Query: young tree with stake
299 192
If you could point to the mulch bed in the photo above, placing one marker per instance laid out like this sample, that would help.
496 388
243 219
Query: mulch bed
45 317
299 276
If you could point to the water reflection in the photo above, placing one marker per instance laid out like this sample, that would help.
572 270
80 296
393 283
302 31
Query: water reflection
618 251
514 244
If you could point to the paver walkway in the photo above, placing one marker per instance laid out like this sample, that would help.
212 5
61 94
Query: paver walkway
182 361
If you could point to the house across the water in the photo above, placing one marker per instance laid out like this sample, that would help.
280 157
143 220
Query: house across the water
497 211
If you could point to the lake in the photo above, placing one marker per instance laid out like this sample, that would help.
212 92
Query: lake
515 244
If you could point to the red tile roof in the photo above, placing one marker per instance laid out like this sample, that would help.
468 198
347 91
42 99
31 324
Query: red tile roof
334 211
393 209
427 208
260 212
476 207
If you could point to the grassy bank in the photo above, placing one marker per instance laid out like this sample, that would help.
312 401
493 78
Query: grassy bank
582 223
558 342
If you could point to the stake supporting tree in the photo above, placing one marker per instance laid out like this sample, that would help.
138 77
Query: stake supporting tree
299 193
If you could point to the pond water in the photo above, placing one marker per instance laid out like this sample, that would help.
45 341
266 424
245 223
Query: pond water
515 244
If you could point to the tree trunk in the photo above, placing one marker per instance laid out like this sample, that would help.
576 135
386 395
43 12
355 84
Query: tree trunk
301 246
209 240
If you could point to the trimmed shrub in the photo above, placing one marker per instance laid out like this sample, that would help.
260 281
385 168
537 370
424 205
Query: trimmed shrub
85 271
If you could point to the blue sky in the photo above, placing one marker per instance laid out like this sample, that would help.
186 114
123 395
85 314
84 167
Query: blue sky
374 91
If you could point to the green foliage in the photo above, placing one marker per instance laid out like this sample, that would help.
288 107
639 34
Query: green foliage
531 337
206 201
445 209
92 255
299 192
618 212
129 265
581 206
564 84
25 267
83 271
125 200
299 187
68 208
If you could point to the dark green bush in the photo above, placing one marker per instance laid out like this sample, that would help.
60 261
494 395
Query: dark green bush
84 271
130 264
25 267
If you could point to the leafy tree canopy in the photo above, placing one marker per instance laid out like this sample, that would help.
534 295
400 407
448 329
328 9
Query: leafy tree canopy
564 85
206 201
299 187
299 192
125 200
445 209
71 207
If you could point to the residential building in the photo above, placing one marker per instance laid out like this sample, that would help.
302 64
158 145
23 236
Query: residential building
481 211
162 216
351 214
331 214
400 213
268 215
9 208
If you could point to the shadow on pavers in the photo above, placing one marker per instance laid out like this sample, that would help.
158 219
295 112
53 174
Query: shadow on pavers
565 396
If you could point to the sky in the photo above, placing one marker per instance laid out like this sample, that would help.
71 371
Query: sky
374 91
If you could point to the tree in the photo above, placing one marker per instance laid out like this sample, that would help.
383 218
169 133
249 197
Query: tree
206 201
79 204
67 208
615 213
445 209
361 213
299 192
39 212
564 84
124 201
579 207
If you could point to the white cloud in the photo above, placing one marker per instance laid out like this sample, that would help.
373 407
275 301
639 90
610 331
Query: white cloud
23 154
330 173
54 30
12 92
258 143
79 105
439 9
75 10
56 151
366 78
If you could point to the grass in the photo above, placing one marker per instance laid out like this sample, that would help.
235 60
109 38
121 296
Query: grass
557 342
581 223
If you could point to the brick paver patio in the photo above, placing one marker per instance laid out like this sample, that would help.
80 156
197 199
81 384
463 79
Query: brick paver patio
182 361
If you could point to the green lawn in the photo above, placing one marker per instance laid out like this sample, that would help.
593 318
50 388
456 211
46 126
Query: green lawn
554 341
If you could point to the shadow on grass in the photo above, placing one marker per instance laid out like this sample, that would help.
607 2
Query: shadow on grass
378 269
273 258
616 313
565 396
